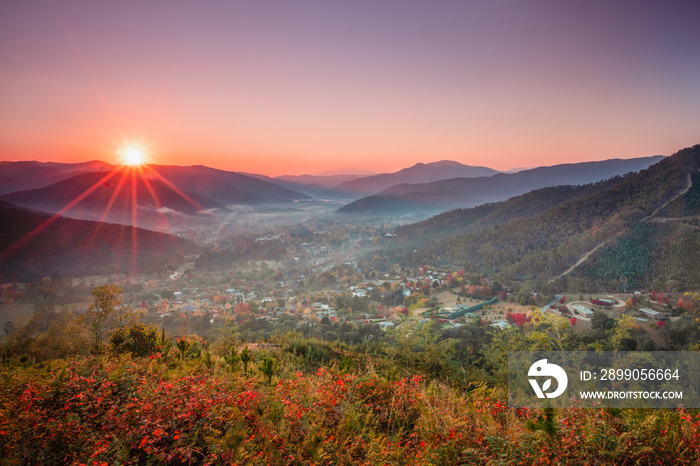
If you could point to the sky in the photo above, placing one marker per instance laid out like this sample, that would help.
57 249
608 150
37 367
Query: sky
308 86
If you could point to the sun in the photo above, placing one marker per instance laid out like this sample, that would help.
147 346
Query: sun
133 156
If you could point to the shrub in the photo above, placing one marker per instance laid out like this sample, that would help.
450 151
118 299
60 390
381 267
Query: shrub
138 339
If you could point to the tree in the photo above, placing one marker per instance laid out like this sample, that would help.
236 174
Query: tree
183 346
550 333
347 364
207 360
600 321
622 333
105 299
163 344
246 357
139 340
268 368
232 359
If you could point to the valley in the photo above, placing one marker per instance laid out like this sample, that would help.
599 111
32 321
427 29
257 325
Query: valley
304 287
402 233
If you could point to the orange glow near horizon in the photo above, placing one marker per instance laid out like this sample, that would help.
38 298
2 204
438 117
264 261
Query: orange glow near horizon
298 89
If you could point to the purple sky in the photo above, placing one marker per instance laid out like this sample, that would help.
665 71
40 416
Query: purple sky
300 86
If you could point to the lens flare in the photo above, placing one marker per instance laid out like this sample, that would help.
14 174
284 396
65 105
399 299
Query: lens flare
133 156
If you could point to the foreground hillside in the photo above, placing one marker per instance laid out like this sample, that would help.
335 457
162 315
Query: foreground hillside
157 411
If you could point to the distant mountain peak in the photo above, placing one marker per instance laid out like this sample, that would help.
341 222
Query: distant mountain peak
446 163
418 173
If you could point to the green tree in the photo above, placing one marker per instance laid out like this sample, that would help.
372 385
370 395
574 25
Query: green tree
138 339
600 321
183 347
496 352
347 364
268 368
246 357
105 299
622 334
164 344
207 360
232 359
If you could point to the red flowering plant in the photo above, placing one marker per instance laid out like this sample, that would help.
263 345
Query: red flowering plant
108 409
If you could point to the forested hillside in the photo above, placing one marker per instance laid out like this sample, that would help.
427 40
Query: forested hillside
544 246
487 215
661 253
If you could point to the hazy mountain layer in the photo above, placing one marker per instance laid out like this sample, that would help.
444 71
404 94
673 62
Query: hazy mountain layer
419 173
33 245
469 192
124 197
18 176
227 187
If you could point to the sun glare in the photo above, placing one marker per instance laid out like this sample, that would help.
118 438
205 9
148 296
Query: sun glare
133 156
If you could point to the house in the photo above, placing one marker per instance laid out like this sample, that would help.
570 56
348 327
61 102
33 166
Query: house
360 293
650 312
502 324
581 310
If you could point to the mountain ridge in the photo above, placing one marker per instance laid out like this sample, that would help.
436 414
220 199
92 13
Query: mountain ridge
471 192
419 172
610 220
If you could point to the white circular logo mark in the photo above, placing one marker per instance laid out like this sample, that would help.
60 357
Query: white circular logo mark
543 369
